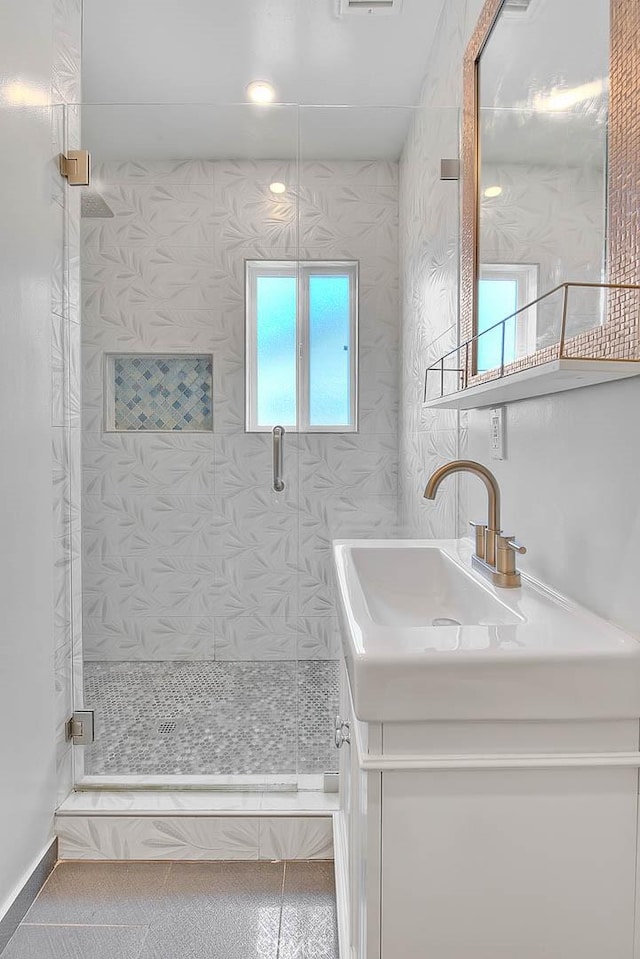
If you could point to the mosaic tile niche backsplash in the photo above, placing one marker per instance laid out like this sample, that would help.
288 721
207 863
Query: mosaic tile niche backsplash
161 393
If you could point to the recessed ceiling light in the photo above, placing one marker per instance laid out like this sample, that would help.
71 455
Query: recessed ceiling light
277 187
259 91
493 191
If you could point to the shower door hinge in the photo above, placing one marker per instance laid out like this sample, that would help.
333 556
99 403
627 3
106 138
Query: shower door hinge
80 728
76 167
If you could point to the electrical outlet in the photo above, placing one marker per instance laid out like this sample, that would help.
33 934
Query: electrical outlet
496 433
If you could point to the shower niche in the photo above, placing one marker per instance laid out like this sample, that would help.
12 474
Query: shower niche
158 392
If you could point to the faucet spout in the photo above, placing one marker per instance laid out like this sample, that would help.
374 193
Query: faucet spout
487 477
494 555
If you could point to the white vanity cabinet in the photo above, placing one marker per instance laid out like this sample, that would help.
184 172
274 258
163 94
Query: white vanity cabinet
490 785
495 854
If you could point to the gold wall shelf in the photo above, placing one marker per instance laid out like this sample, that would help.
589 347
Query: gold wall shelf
570 362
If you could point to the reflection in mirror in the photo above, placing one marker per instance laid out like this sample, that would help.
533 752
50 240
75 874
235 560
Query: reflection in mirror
542 181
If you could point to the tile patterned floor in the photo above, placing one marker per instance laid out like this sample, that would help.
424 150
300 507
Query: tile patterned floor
206 718
213 910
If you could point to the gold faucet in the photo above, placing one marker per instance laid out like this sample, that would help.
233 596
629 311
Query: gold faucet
495 554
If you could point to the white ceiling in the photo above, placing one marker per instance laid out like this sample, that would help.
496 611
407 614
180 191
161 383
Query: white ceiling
207 51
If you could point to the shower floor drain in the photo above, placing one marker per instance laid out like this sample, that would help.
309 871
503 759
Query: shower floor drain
168 727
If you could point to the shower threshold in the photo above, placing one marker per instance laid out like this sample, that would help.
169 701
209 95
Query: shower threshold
215 783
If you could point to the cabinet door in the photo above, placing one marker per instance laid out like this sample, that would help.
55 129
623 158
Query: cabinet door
533 864
360 799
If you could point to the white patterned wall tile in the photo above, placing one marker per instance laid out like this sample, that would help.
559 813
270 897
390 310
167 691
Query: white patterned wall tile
245 462
352 515
58 263
57 147
64 772
157 586
140 172
253 584
254 531
378 406
154 215
319 637
347 461
289 837
144 837
121 463
58 369
242 638
257 522
318 173
429 227
73 385
148 639
362 219
131 525
63 689
120 278
67 42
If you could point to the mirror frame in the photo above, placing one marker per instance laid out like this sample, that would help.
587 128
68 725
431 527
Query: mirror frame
619 337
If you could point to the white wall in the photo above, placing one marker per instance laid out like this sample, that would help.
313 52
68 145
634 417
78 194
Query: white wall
27 756
36 43
570 492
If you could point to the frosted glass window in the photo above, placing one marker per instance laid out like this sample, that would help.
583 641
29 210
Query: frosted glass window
503 289
276 309
497 299
329 350
301 345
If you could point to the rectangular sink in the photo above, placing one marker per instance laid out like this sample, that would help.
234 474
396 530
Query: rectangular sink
410 587
426 638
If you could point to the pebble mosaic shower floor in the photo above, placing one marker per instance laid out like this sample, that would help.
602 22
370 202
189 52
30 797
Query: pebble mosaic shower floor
212 718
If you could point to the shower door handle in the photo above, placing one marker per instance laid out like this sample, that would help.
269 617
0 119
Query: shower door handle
278 453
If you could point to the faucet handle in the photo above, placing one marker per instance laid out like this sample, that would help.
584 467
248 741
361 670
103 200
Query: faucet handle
511 544
506 546
481 539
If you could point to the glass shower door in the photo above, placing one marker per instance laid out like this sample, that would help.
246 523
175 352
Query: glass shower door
190 557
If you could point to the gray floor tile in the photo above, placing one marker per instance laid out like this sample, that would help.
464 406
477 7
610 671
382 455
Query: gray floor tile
121 893
309 928
243 882
76 942
225 927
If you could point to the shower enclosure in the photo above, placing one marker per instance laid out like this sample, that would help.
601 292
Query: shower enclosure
209 640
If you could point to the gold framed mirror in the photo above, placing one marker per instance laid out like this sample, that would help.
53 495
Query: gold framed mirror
550 185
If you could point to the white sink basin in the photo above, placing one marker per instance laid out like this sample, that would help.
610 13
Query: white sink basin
404 586
427 638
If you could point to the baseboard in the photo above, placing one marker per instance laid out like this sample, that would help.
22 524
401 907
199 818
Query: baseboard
341 865
27 894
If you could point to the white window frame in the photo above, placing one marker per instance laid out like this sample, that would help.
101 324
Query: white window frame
302 270
526 277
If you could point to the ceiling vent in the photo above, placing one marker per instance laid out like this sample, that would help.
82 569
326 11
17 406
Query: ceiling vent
373 8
